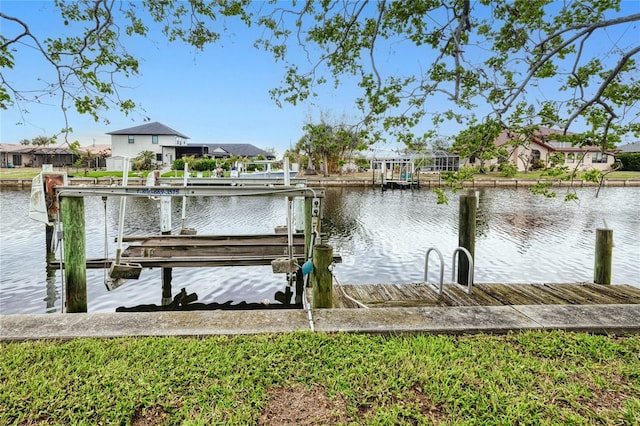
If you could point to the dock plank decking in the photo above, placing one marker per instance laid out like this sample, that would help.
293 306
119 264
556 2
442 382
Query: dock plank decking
175 251
202 246
407 295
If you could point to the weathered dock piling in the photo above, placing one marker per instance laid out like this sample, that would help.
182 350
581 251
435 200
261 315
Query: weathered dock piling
604 251
466 233
75 271
321 277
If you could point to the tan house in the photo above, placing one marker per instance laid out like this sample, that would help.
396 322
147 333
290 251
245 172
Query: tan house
11 155
15 155
538 150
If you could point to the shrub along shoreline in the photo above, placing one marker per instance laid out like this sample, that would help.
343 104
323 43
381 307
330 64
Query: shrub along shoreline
530 377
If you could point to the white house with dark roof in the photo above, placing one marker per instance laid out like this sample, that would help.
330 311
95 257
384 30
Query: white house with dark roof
155 137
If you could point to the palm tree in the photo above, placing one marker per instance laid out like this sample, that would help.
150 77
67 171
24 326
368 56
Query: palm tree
146 160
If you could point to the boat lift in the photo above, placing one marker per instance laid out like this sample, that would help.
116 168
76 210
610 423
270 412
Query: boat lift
253 250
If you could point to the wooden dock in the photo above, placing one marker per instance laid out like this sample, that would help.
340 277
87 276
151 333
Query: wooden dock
400 184
175 251
413 295
267 246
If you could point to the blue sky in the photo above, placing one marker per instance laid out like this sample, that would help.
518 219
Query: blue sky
219 95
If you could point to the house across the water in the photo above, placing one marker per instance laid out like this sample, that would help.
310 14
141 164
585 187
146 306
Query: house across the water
168 145
537 151
17 155
631 147
155 137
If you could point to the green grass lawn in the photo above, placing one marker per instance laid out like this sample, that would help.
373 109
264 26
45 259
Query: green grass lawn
520 378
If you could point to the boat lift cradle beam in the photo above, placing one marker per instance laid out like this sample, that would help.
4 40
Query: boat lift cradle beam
189 191
206 181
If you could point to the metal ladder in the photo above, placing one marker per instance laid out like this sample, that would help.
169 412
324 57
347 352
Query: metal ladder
438 289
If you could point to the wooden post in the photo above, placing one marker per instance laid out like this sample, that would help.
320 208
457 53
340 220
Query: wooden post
75 257
167 276
466 233
373 174
604 250
321 276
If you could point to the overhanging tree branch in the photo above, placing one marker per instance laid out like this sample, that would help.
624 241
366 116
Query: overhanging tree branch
597 97
587 29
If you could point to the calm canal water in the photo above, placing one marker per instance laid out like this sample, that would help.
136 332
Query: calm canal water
382 238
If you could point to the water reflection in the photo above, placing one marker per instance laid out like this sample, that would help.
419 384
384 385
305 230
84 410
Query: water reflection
482 215
52 291
382 237
49 249
521 237
342 220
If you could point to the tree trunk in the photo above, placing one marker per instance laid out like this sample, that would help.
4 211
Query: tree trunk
326 165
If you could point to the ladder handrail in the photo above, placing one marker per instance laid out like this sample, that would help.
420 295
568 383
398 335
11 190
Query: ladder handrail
453 271
468 288
426 267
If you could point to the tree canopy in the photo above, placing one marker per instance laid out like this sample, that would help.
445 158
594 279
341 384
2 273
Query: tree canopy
39 141
512 63
476 64
329 144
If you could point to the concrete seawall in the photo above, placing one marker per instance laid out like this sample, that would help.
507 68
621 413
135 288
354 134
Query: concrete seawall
600 319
